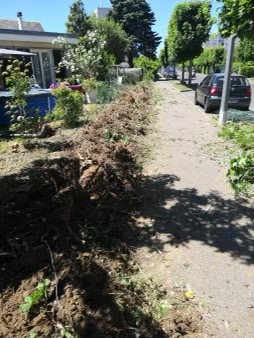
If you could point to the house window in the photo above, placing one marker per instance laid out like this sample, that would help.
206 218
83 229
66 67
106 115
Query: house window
43 67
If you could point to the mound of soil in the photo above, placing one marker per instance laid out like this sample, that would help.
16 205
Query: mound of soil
67 217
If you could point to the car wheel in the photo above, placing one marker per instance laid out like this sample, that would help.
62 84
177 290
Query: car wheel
195 99
207 107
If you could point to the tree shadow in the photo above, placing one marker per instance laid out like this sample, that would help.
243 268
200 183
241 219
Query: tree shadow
185 215
49 224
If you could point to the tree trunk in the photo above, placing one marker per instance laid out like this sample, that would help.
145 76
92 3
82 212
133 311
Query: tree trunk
130 60
190 73
183 72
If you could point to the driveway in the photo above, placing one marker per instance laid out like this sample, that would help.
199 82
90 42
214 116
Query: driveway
203 235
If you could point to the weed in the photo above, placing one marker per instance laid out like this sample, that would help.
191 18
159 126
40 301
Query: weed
65 334
241 173
35 296
241 134
33 334
111 136
149 298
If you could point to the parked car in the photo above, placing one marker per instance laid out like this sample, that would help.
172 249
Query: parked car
209 92
169 72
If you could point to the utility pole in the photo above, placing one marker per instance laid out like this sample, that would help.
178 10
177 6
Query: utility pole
227 78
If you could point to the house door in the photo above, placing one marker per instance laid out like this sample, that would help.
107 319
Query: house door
43 67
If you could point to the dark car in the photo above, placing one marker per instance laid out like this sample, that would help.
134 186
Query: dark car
209 92
170 72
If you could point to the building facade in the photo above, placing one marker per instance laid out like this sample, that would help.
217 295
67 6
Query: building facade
30 36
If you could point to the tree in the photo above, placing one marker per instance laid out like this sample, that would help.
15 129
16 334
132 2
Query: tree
149 66
163 55
188 29
236 17
116 40
77 19
136 19
245 50
211 57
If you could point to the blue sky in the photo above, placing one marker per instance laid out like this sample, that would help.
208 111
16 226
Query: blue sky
52 14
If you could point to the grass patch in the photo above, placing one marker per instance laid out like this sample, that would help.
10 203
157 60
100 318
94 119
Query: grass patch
241 168
3 145
181 87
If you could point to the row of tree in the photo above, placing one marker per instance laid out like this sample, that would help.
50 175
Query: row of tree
127 32
188 29
127 29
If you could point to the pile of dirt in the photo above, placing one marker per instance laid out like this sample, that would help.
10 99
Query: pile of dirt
67 219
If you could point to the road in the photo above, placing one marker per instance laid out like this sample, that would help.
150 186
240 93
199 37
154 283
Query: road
199 78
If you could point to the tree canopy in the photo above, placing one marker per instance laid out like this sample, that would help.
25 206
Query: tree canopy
236 17
211 57
77 19
188 29
136 19
116 40
163 55
245 50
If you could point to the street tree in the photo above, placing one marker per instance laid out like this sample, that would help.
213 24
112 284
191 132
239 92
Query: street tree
188 29
210 59
136 19
77 20
245 50
163 54
236 17
116 40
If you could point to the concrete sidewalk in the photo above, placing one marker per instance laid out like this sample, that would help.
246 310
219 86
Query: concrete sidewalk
204 235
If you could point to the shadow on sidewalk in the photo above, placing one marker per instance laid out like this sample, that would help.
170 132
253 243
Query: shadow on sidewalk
211 219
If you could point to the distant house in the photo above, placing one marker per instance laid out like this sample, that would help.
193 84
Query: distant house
30 36
101 12
218 41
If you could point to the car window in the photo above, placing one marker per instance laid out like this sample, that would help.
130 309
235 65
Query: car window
202 83
219 81
206 81
235 81
238 81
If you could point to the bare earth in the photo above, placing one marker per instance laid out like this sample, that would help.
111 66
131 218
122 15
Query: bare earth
203 235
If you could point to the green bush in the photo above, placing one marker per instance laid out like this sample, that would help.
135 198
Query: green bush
106 91
241 168
149 66
241 173
69 106
241 134
247 69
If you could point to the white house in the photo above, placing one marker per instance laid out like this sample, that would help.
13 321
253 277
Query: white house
30 36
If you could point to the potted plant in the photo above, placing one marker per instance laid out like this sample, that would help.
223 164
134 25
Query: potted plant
90 88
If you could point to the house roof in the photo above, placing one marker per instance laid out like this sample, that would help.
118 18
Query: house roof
28 25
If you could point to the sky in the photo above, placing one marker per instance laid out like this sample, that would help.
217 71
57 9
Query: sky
53 14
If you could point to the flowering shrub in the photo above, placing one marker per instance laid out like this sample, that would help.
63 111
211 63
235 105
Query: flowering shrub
85 59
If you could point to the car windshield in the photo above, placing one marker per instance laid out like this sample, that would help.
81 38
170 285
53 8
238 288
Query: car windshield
235 81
